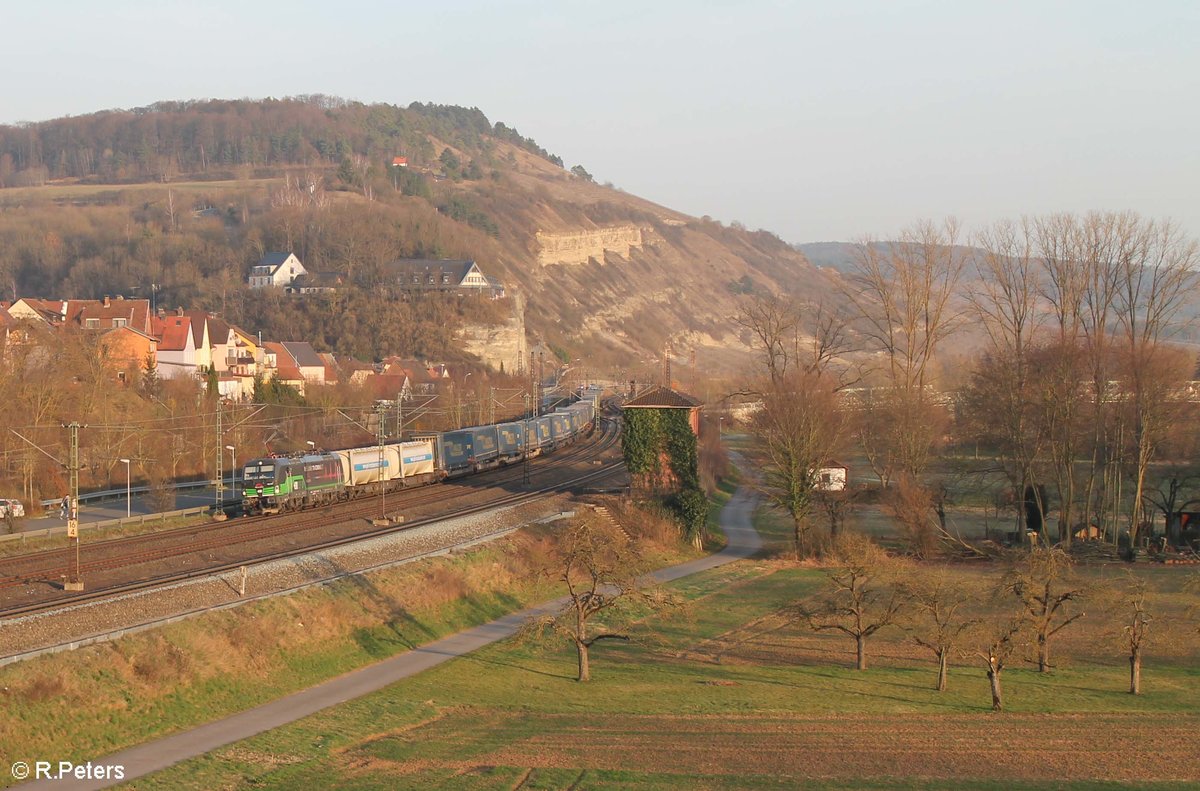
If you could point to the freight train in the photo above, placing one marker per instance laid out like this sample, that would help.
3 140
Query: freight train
275 484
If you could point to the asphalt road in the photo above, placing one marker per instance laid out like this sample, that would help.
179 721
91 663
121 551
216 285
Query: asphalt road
153 756
115 508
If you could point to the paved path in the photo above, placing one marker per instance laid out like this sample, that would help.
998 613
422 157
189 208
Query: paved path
156 755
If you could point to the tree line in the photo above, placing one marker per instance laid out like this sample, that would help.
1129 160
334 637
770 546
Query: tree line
166 140
1077 393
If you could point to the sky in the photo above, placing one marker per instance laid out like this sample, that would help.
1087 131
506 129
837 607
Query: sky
817 121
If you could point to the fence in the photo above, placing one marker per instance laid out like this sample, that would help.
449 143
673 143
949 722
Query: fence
141 519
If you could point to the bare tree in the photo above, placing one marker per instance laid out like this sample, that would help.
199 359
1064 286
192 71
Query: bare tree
1156 266
912 506
997 642
799 429
904 294
790 336
800 424
774 325
1080 286
1136 633
601 572
861 596
938 621
1043 581
1005 301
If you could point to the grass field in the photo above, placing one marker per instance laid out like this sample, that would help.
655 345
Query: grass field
102 698
729 696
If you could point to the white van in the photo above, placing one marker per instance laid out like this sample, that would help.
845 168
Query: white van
11 508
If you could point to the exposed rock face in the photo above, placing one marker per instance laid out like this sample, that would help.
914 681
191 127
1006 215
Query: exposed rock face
578 247
501 347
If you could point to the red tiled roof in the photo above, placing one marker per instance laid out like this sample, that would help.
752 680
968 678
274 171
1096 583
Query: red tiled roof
136 312
173 332
663 398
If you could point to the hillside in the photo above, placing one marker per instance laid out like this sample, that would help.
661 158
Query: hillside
181 198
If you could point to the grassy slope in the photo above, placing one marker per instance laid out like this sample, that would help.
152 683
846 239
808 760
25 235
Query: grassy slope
712 703
105 697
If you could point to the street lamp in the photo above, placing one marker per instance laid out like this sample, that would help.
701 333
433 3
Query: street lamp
127 506
311 445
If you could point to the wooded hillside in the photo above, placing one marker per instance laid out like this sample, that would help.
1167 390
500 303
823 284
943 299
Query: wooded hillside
179 199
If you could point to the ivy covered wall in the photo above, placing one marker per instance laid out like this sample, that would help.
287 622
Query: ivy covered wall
661 454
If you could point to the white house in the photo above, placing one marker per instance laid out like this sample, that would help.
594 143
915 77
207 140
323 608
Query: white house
177 345
276 269
832 477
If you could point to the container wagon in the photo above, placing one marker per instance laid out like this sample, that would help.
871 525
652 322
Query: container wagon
511 438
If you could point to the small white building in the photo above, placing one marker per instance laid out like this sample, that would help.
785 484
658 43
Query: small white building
276 269
833 477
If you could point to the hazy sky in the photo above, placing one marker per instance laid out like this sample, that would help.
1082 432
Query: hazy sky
818 121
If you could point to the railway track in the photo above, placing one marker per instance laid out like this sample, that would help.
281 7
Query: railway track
134 550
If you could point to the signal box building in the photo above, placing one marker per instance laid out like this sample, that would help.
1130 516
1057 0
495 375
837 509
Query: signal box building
667 400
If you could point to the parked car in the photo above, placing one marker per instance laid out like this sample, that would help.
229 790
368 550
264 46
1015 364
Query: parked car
11 508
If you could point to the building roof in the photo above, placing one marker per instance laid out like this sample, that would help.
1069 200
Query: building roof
384 385
319 280
304 354
48 310
173 331
285 365
134 331
429 271
274 260
663 398
333 369
135 312
400 161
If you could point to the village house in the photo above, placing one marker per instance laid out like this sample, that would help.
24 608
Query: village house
293 363
276 270
89 314
424 274
316 283
127 351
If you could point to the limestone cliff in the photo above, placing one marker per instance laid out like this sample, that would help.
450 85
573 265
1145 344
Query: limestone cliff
578 247
502 346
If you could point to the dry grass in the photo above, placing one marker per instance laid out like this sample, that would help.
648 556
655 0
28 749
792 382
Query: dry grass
222 662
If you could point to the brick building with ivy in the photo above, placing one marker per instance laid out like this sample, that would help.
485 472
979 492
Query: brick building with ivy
660 448
661 428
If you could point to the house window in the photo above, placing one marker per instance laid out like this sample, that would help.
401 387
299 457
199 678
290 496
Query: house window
92 324
121 376
119 322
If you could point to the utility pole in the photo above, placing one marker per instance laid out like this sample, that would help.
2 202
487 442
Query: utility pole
491 407
219 505
74 582
382 470
525 465
540 380
400 416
